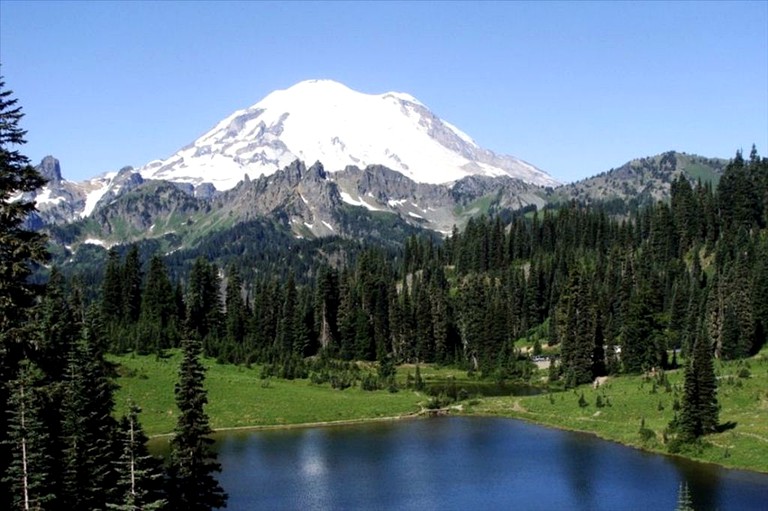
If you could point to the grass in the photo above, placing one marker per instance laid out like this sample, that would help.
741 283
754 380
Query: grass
632 401
238 397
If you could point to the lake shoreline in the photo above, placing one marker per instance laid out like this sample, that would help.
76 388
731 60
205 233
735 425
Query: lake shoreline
301 425
519 415
514 414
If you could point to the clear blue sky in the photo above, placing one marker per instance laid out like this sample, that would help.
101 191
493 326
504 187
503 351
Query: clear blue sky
575 88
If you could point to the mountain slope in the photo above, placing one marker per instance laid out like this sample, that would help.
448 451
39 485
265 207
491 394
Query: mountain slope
322 120
642 180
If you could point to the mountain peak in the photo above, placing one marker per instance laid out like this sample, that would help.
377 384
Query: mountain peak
324 120
50 169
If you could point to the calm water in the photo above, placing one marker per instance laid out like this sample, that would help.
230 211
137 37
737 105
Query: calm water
465 463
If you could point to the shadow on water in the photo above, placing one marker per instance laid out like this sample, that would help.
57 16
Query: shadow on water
580 475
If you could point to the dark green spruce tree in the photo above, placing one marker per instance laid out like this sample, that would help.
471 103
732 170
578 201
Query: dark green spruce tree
192 484
29 470
19 249
576 331
140 475
88 428
699 411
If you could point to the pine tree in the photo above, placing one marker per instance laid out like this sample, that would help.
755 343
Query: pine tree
699 411
131 288
286 342
19 250
29 472
159 320
204 315
112 289
88 426
327 305
236 310
139 483
192 485
576 332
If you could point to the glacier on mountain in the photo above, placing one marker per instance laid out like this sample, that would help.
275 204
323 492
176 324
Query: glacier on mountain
323 120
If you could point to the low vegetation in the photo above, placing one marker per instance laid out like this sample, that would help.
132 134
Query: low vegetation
636 410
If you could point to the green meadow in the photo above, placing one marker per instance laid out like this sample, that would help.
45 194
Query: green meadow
238 397
617 410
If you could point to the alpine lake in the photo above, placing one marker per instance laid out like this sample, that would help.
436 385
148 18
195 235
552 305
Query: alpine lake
465 463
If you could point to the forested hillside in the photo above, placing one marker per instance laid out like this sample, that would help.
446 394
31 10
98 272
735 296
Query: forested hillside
642 286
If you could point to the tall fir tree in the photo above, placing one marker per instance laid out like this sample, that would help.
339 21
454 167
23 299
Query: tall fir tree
140 475
131 288
576 331
20 249
699 411
192 484
158 327
88 426
30 472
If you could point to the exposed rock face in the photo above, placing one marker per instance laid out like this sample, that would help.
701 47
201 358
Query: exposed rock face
643 179
50 169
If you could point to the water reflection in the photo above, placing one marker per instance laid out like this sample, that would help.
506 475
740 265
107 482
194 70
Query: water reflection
580 462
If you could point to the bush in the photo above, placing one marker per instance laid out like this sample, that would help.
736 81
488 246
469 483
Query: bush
646 434
437 402
582 402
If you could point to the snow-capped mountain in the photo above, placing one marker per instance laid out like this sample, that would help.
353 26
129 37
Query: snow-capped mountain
322 120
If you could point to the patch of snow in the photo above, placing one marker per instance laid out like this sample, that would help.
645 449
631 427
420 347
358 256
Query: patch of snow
310 226
94 241
101 187
45 197
414 215
360 203
328 225
305 200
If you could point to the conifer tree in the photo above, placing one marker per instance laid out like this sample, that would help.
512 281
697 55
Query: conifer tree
29 473
327 305
236 310
88 426
576 331
192 484
112 289
131 288
203 301
699 411
139 483
158 321
19 250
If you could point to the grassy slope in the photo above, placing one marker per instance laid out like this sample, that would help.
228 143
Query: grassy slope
743 401
239 398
